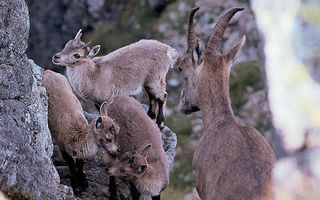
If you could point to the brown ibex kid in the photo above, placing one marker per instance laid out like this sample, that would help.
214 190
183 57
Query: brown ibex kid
76 138
148 170
232 161
126 71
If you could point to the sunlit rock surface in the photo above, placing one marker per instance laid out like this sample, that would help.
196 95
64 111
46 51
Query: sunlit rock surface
292 46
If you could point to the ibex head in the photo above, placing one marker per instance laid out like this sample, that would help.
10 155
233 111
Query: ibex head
75 52
106 131
199 58
131 164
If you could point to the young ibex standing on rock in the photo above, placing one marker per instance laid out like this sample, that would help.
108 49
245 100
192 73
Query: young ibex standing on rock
139 132
232 161
76 138
126 71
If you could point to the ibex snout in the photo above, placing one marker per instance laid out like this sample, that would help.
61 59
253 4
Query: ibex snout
55 59
113 149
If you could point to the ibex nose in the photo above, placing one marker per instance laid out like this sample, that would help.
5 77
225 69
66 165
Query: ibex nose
56 57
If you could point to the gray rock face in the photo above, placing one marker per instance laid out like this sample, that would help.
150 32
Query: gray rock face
14 32
243 23
25 140
292 27
53 23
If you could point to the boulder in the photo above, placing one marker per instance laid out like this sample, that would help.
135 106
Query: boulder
26 168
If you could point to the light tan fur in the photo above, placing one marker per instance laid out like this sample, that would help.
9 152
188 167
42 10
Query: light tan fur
126 71
232 161
136 132
68 125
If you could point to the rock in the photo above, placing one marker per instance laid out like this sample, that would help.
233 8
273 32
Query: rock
53 23
255 112
26 168
174 25
294 96
297 177
293 93
169 139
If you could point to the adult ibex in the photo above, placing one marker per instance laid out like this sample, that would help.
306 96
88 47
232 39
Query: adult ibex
76 138
126 71
232 161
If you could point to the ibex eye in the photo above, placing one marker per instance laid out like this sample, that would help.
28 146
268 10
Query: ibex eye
142 168
108 140
111 129
77 56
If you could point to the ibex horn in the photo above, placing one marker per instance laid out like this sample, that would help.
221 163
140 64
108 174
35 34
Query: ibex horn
78 36
191 33
213 46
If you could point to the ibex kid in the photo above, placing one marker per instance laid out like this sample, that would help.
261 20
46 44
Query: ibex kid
76 138
126 71
139 132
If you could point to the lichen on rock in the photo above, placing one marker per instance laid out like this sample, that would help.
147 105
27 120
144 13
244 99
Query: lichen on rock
25 141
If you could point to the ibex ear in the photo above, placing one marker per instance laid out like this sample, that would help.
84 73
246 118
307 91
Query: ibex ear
104 108
234 51
145 151
99 122
197 54
94 51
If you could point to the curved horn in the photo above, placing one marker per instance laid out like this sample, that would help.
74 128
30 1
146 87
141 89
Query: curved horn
77 37
215 39
191 33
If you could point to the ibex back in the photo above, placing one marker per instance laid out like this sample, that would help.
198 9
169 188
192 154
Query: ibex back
232 161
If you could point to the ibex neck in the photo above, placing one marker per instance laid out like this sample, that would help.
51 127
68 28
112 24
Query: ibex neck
79 79
215 103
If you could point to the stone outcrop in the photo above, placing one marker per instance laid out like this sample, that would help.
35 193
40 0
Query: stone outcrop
292 38
25 141
242 24
53 23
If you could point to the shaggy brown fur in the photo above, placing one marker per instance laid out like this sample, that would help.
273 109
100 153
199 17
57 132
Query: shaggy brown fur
136 132
126 71
231 161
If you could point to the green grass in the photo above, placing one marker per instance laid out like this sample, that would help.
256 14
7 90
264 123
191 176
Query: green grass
133 24
243 76
174 193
